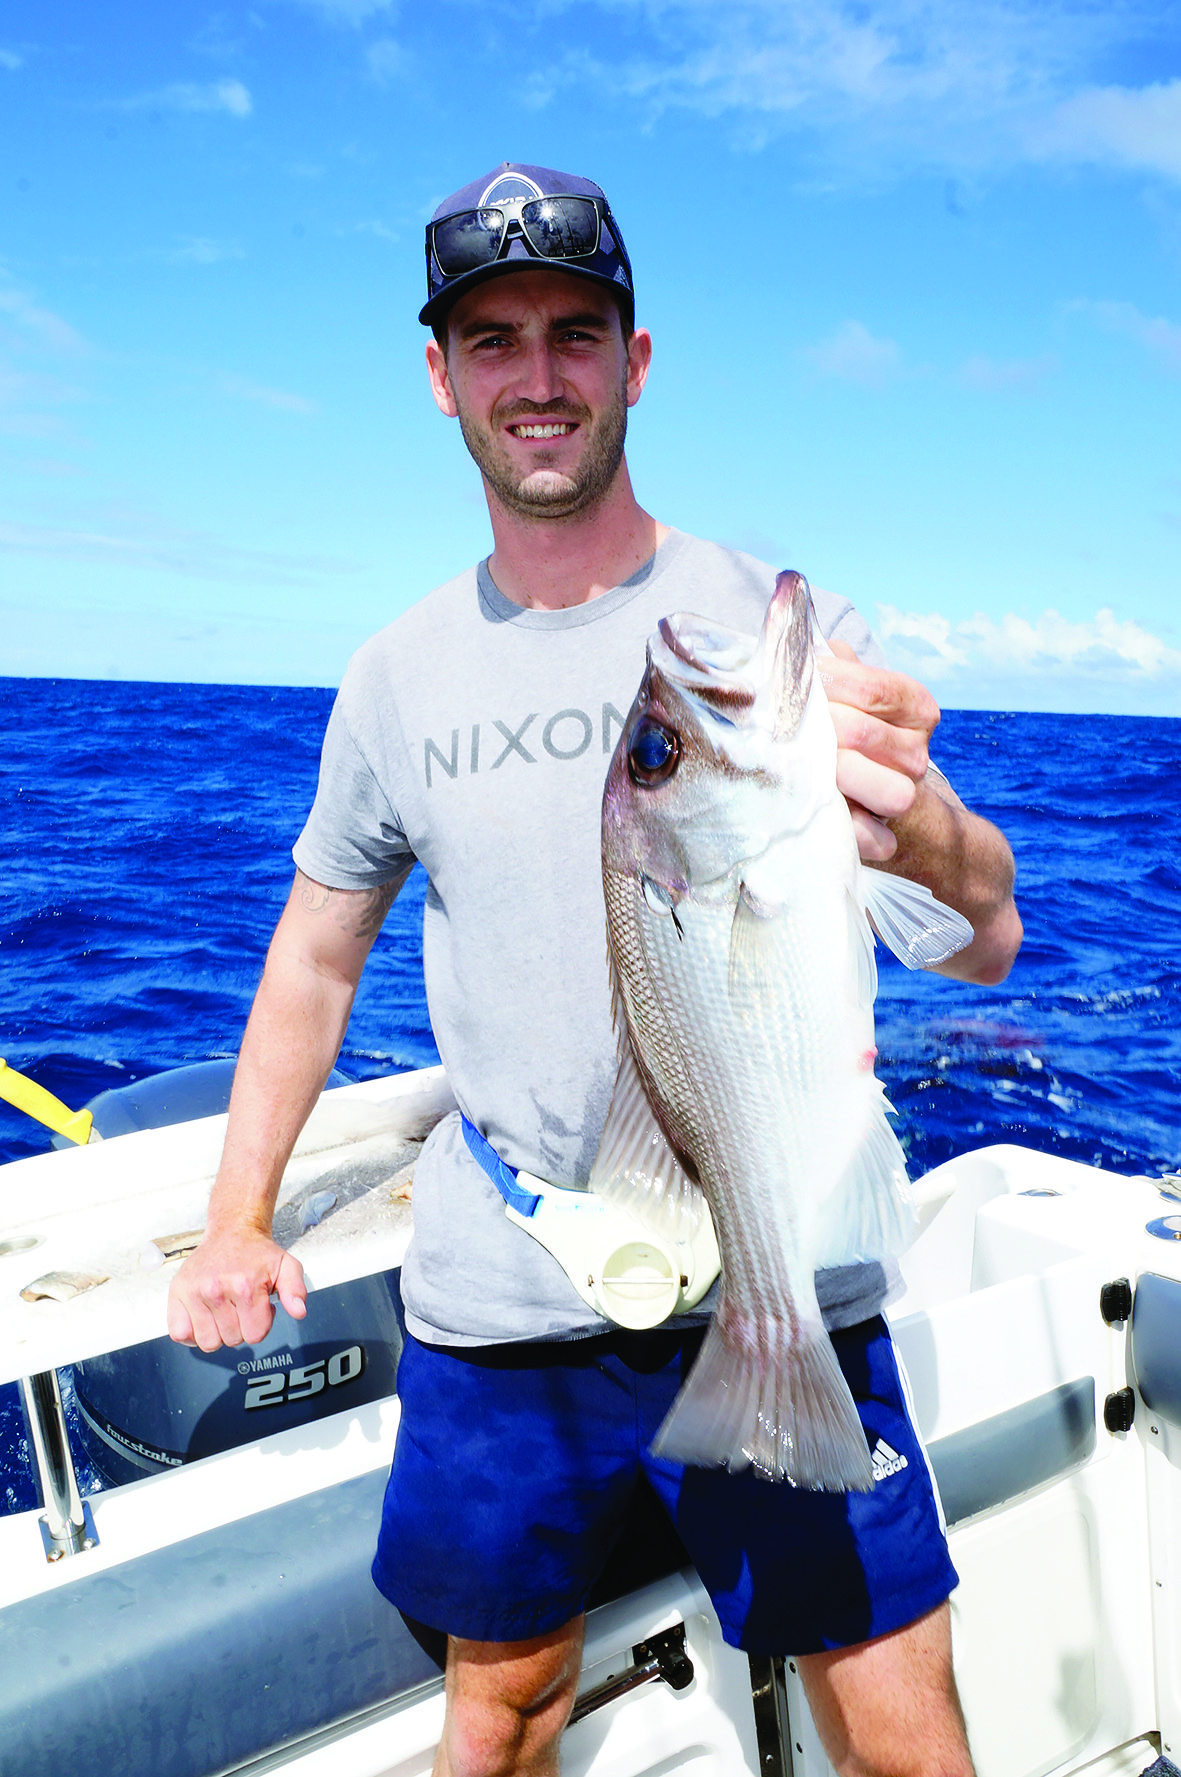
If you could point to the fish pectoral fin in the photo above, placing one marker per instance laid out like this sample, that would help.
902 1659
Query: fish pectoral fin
636 1167
754 943
870 1214
920 930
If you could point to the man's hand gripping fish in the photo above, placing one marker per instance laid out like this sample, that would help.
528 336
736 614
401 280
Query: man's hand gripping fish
738 919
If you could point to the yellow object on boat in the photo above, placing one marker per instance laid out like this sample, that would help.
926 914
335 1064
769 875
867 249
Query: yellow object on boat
26 1095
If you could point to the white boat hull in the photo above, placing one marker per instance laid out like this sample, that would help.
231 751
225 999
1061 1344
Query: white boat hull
1065 1533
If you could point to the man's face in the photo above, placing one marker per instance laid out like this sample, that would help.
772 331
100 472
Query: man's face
540 377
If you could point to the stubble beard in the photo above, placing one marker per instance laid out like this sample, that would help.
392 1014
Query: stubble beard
546 493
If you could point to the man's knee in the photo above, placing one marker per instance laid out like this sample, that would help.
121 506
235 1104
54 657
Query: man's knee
889 1708
507 1703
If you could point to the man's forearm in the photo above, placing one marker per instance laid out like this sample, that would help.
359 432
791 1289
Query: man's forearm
966 863
222 1293
291 1042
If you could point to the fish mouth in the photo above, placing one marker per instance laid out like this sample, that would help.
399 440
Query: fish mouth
707 649
761 680
712 667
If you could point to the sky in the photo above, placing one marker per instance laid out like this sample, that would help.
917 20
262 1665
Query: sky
912 271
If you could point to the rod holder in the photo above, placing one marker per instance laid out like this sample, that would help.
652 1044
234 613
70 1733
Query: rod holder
67 1527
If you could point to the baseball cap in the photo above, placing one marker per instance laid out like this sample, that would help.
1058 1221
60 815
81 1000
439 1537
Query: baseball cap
519 216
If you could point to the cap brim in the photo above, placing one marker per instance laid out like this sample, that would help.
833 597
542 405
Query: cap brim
433 311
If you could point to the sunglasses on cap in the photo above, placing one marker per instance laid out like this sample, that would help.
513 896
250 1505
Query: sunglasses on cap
552 227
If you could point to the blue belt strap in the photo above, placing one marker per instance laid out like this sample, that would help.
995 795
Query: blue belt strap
502 1176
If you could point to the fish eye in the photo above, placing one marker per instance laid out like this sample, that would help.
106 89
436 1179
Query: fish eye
653 754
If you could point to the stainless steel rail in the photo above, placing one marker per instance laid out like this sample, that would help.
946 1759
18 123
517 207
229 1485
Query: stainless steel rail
663 1657
67 1527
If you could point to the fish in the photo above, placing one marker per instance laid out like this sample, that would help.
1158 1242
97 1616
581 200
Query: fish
62 1286
741 956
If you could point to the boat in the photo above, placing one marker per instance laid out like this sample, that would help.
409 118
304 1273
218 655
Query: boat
210 1610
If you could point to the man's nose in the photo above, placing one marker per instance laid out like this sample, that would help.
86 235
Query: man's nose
540 377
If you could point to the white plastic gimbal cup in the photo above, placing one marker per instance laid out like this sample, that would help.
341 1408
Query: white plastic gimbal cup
620 1267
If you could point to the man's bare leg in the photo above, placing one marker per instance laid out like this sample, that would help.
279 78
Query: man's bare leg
507 1703
889 1708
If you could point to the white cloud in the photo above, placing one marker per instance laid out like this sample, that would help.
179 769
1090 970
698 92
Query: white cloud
924 634
30 404
872 86
229 96
1104 649
177 641
344 12
45 328
386 60
10 60
135 541
278 399
993 374
1117 125
200 250
374 226
854 355
1161 337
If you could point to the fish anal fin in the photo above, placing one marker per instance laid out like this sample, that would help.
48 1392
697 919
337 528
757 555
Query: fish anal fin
869 1215
865 979
636 1167
920 930
787 1413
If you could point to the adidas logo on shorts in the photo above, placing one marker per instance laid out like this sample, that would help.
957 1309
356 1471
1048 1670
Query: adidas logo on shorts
886 1462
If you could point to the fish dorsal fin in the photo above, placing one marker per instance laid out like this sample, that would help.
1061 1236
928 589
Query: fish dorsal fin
920 930
636 1168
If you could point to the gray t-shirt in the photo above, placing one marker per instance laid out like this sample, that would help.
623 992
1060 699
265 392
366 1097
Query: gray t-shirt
474 735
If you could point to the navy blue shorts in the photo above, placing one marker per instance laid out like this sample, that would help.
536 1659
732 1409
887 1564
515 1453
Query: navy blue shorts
515 1463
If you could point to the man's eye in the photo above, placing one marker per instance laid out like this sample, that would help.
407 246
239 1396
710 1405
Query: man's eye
653 753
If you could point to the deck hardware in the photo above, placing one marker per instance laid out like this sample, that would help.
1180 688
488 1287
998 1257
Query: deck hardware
20 1243
1040 1191
1115 1301
772 1723
663 1656
67 1527
1165 1228
1119 1410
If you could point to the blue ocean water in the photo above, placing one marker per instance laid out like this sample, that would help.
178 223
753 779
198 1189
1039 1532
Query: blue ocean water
146 833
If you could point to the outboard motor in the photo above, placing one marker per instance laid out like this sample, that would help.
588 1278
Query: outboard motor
158 1405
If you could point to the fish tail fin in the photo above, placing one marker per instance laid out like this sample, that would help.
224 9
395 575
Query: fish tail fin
786 1412
870 1215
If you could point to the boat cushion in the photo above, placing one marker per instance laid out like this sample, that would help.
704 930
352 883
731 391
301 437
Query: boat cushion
202 1655
1022 1448
199 1657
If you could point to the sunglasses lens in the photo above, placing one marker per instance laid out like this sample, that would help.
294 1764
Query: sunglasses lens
468 241
561 227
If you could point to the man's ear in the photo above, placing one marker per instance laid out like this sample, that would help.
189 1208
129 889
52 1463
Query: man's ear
639 361
436 364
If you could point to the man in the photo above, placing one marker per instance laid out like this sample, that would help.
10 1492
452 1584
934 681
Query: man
473 734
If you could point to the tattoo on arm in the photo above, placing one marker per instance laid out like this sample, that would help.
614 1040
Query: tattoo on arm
364 918
358 912
313 896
